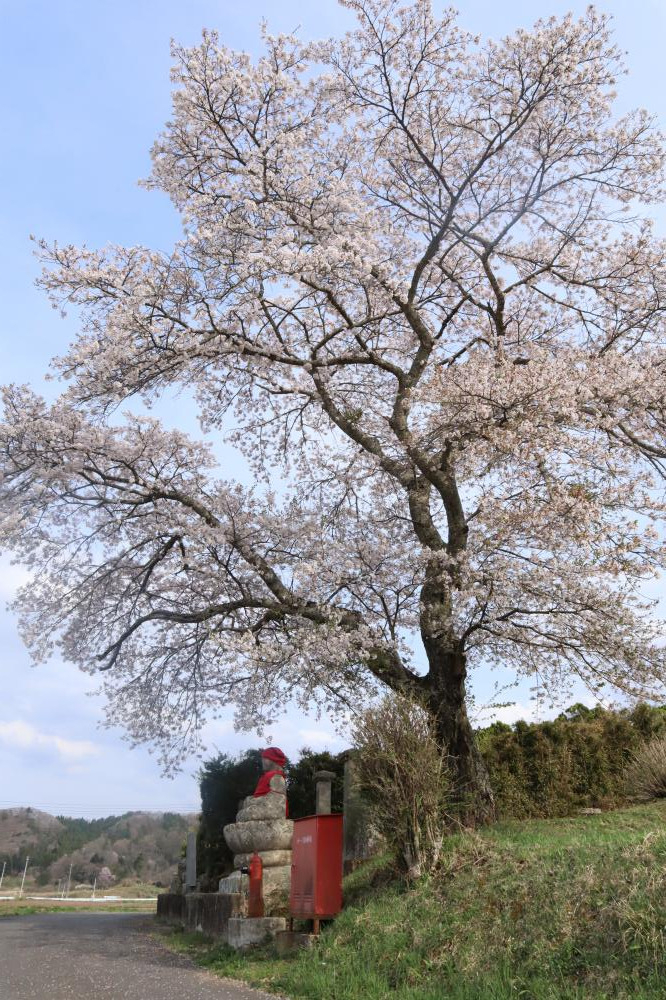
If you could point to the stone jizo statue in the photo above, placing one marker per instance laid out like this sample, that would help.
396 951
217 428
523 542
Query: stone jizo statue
272 780
261 825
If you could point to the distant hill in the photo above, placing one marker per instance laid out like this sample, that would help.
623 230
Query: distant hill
20 827
137 846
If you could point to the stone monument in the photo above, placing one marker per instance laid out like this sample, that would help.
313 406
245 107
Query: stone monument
262 826
360 838
178 881
191 862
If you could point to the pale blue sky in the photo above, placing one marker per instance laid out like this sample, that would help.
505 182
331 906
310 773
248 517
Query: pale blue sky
84 89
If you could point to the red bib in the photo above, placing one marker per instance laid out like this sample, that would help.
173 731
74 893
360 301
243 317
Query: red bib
264 786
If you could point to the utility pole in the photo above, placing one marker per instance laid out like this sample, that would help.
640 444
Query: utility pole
69 880
94 887
24 873
4 865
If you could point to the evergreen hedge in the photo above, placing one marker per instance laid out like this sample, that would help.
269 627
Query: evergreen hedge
578 760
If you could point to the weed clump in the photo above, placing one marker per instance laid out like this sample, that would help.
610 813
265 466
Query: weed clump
404 774
646 774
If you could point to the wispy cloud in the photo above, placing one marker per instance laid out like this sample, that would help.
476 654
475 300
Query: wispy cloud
530 711
20 735
512 713
319 739
11 578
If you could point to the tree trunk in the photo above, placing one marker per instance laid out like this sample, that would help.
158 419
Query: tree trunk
473 797
445 693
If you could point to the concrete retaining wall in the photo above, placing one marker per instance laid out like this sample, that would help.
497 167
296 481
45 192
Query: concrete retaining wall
171 907
208 912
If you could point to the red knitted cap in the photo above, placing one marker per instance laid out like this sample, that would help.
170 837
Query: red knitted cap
274 754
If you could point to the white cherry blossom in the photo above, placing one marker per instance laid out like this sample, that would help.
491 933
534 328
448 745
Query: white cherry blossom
418 289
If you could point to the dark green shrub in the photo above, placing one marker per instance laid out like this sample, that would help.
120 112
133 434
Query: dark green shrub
223 782
301 781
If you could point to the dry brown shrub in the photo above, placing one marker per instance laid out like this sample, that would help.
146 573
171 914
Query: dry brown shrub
646 773
403 771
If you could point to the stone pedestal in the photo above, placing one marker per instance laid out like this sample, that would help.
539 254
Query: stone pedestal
243 932
287 942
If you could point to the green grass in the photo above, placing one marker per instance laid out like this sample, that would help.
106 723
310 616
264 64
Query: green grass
568 909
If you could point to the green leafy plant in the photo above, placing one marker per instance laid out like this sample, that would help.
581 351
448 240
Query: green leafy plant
578 760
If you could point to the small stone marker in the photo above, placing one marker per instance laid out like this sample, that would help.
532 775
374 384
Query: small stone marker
323 792
191 863
357 835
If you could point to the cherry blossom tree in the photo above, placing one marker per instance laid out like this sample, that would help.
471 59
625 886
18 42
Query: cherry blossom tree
419 290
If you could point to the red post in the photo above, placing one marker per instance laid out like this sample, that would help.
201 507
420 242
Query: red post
255 907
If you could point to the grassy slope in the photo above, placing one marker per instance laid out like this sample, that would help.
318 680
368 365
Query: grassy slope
544 910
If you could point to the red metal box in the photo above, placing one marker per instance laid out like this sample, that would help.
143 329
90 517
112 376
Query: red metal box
316 870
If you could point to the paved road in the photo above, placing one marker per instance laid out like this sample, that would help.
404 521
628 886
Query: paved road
99 956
